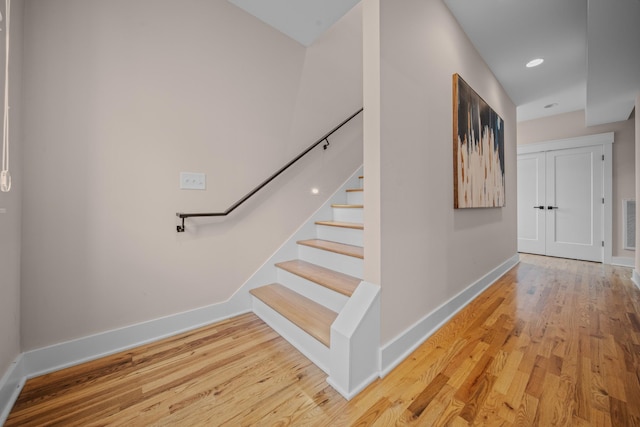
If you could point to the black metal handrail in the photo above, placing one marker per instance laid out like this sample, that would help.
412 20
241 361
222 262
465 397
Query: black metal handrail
325 139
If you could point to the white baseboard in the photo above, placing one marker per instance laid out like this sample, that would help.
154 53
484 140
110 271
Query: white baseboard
623 261
43 360
635 278
10 386
59 356
392 354
348 395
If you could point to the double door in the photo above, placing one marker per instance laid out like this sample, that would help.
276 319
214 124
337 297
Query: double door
560 203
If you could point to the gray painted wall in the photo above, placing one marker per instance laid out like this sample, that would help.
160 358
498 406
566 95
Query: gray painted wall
429 252
10 221
119 97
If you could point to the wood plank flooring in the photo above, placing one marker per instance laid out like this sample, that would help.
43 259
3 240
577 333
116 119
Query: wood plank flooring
553 342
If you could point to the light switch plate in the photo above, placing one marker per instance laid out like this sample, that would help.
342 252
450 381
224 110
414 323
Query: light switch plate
193 181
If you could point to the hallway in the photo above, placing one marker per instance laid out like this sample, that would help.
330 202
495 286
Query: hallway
553 342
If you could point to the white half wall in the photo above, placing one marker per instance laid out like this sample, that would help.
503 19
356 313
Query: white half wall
355 341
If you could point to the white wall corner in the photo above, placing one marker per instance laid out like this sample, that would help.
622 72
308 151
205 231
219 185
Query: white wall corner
355 342
398 349
10 386
635 278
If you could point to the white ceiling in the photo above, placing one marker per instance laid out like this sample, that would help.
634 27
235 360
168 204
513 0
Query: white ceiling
592 54
302 20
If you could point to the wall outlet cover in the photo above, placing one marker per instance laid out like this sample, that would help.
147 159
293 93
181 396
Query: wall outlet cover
193 181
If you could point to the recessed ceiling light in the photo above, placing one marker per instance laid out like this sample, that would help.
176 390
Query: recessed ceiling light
555 104
535 62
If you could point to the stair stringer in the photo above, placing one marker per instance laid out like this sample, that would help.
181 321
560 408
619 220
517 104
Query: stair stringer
305 343
241 300
268 273
355 342
352 360
338 262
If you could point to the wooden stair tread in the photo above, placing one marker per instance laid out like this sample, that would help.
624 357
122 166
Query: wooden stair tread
337 205
311 317
361 177
351 190
353 225
339 248
334 280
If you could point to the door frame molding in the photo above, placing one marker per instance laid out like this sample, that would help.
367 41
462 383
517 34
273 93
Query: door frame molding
606 140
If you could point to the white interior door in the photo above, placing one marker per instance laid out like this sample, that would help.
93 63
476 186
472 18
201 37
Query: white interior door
560 209
574 194
531 203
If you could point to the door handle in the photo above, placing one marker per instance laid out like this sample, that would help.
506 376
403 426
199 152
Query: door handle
552 207
538 207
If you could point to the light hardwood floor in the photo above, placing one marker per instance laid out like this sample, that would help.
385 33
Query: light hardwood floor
553 342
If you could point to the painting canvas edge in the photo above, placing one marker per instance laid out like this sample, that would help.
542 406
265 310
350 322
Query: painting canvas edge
487 148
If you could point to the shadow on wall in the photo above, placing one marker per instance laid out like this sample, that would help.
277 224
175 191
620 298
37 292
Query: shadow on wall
472 218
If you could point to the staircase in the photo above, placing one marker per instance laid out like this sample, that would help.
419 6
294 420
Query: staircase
315 289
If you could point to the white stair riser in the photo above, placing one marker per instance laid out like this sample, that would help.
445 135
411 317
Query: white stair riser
313 349
361 181
331 260
348 215
355 197
349 236
330 299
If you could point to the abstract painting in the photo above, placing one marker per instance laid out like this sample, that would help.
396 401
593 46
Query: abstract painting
478 150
